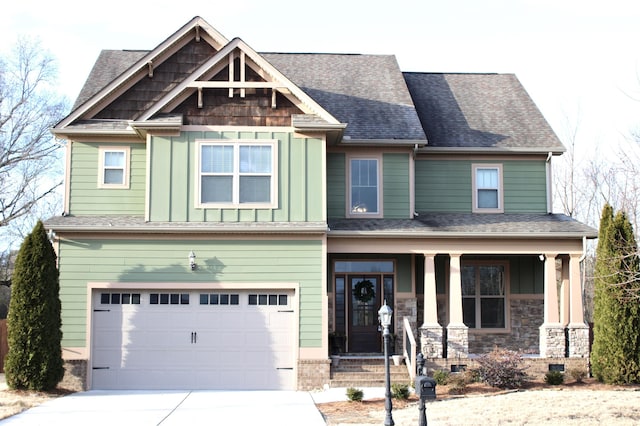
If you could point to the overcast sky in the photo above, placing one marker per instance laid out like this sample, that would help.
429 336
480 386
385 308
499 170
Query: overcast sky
576 58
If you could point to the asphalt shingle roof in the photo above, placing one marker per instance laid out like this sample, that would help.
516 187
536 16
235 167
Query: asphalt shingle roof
468 225
479 111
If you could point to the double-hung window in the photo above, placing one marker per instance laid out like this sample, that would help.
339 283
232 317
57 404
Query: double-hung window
487 188
484 295
114 167
364 187
239 173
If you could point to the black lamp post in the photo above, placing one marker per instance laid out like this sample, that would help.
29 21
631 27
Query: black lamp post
385 313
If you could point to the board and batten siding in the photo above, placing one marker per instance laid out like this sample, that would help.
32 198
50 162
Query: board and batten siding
87 198
446 185
173 173
219 261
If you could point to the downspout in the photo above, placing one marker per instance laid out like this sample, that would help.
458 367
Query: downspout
549 183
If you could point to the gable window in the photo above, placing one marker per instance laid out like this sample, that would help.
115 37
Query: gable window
114 167
237 173
484 295
487 188
364 186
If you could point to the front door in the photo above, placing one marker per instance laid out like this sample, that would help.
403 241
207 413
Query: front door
364 295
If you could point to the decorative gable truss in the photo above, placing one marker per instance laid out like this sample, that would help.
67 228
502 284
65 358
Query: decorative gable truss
197 77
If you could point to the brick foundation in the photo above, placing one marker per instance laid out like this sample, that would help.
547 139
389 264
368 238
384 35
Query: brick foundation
313 373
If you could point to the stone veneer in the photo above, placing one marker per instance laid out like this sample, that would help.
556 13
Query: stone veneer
313 373
432 341
404 308
552 341
457 341
578 340
75 375
526 317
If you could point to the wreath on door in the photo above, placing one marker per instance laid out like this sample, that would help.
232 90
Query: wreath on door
364 291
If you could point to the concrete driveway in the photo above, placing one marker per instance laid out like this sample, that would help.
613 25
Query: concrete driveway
141 408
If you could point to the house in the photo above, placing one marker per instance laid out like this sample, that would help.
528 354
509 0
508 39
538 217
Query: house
225 210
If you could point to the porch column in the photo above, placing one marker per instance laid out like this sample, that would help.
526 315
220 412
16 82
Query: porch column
564 292
431 336
578 330
552 340
457 332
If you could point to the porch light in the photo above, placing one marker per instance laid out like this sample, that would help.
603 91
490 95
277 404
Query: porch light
192 260
385 313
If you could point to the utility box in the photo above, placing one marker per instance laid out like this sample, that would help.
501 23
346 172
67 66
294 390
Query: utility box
425 387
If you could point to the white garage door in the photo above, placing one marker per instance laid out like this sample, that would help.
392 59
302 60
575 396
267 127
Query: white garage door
181 339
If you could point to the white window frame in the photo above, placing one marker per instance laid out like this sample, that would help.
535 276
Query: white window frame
499 189
478 296
126 170
363 214
236 144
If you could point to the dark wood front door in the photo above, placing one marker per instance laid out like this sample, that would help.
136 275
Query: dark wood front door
364 295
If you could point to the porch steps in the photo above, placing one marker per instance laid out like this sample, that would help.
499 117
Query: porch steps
360 372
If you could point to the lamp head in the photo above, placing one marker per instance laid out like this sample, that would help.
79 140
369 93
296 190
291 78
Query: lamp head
192 260
385 313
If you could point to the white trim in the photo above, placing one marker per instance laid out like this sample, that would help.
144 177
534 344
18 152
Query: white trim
500 189
126 167
348 208
236 144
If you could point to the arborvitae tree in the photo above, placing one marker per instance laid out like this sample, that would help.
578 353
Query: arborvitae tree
615 356
34 360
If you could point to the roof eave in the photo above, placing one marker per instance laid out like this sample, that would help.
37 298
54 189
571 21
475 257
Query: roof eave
457 235
491 150
383 142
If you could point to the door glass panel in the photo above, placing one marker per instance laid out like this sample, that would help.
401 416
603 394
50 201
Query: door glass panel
364 302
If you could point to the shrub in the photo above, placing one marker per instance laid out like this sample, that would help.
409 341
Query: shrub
355 394
577 374
34 361
554 378
400 391
502 369
458 383
441 377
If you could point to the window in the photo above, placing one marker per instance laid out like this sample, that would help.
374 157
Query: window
364 185
487 188
484 295
120 298
169 298
114 167
269 299
219 299
236 173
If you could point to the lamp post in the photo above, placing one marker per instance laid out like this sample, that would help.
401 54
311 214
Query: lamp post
384 314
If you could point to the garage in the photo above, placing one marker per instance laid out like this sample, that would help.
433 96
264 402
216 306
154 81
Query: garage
193 339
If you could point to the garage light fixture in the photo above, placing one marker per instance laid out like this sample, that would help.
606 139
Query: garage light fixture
192 260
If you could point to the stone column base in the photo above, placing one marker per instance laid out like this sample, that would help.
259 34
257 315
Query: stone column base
431 340
457 341
552 341
578 340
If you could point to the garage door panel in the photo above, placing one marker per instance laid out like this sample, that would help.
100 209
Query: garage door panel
221 340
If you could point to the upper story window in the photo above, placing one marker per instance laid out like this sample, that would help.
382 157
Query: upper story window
364 187
487 188
484 295
114 167
239 174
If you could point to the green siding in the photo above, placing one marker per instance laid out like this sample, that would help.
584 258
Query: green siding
527 275
300 180
336 185
85 198
396 186
228 261
446 186
443 186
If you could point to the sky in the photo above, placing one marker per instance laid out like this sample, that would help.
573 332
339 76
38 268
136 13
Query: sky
579 60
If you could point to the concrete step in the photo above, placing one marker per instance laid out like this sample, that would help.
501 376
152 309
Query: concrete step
354 371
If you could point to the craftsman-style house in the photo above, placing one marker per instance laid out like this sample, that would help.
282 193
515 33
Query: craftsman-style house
226 211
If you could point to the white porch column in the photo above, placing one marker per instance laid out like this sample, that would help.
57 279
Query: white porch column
578 330
457 332
564 293
431 335
552 339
